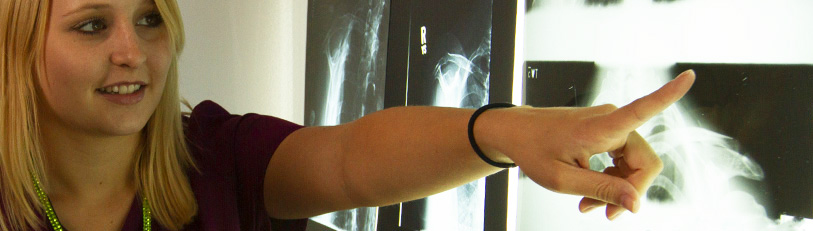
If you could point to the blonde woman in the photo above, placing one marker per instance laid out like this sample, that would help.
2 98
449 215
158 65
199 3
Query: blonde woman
93 137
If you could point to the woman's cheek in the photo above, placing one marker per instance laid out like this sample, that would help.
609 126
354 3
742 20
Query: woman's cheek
67 73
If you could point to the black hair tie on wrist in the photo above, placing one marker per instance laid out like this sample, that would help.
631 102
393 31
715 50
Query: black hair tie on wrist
474 143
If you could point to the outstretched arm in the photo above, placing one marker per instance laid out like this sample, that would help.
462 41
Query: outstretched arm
407 153
386 157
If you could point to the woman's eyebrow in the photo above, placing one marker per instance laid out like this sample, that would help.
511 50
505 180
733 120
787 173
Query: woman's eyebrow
148 3
90 6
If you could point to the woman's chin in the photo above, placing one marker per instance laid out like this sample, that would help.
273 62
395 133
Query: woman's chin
126 129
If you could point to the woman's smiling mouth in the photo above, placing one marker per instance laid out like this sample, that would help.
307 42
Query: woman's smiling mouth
123 94
122 89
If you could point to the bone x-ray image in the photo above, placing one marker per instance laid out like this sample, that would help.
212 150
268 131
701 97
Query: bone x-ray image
346 59
446 49
737 150
345 69
449 53
433 53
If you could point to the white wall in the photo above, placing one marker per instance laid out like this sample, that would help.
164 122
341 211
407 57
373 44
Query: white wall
248 55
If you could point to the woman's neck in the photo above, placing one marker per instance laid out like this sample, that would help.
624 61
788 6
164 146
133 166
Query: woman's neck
83 166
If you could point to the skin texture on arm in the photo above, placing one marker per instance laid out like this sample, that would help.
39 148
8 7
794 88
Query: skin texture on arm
408 153
386 157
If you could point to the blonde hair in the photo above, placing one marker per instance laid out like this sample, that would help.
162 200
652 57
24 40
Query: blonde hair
160 168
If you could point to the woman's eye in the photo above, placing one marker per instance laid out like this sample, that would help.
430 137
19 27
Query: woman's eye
91 26
151 20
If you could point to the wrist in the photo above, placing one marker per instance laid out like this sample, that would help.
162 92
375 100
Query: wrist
487 131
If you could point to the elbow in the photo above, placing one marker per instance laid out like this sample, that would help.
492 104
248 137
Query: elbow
355 183
354 192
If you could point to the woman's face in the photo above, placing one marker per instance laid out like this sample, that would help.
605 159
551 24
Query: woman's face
106 64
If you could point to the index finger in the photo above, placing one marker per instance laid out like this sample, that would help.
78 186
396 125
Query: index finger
641 110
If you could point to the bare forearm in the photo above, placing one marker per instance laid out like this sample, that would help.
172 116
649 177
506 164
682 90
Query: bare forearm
390 156
408 153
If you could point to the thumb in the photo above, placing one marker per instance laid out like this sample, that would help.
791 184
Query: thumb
600 186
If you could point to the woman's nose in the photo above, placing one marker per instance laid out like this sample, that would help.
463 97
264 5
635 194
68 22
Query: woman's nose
126 48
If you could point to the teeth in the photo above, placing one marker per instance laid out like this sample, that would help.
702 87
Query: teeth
126 89
121 89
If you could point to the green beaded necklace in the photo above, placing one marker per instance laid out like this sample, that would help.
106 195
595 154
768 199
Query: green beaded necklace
49 210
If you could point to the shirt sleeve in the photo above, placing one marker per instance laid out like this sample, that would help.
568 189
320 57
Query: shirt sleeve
250 141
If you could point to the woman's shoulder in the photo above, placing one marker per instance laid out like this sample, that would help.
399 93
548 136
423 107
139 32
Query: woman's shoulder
208 107
232 153
214 134
205 112
209 119
208 124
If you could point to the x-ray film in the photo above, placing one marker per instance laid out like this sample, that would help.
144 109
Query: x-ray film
447 55
345 75
737 150
441 53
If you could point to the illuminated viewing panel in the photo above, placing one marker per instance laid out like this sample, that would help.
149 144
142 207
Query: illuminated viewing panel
363 56
736 149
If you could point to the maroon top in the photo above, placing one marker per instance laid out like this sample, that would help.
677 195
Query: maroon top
232 152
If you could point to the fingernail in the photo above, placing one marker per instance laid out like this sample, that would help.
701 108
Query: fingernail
687 72
630 204
614 216
589 208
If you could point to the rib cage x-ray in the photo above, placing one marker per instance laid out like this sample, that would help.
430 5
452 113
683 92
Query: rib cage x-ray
694 157
699 163
710 180
724 146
